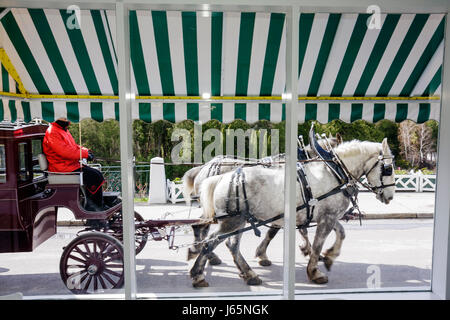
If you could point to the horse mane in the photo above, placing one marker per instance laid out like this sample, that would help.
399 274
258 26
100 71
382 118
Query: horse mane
356 147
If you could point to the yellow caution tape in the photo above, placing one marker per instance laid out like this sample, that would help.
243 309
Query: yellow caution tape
12 71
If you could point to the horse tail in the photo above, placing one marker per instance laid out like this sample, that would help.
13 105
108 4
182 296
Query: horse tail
188 183
207 196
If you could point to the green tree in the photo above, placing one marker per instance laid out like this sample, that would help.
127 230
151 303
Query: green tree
103 138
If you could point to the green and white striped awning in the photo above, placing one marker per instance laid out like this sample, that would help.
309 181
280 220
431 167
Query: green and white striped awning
346 71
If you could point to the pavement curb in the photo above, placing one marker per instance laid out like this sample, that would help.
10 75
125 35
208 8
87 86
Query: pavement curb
373 216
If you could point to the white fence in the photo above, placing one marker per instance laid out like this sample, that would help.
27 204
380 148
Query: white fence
412 182
174 191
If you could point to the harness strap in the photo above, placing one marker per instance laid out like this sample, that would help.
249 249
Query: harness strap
250 218
306 193
329 157
330 193
238 174
214 169
256 225
301 154
355 206
209 170
227 200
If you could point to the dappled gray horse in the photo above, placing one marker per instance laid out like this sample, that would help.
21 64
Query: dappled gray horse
193 178
265 198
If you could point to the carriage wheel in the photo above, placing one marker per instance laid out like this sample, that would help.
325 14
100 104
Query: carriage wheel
116 223
92 262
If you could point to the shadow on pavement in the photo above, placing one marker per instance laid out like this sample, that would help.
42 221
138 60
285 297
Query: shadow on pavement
3 270
164 276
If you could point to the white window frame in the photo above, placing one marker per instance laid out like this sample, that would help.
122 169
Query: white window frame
440 285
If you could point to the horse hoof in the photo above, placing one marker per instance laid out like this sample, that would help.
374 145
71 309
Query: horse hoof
265 263
328 263
321 280
215 261
201 284
255 281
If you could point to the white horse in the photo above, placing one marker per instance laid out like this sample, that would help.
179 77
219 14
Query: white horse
194 177
265 198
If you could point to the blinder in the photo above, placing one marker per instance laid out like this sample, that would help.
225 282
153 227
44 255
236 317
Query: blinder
387 170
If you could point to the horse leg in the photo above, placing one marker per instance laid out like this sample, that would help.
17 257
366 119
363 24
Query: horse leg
306 246
196 272
247 273
212 257
332 253
198 278
324 227
199 230
262 248
200 233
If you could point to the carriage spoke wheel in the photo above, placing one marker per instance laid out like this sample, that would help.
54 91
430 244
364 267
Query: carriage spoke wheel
93 262
116 230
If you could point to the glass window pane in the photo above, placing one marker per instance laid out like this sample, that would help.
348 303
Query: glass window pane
36 147
391 246
2 164
200 52
23 170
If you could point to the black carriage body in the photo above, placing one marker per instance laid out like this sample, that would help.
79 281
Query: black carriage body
21 228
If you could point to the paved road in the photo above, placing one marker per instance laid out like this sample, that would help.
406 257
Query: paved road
397 252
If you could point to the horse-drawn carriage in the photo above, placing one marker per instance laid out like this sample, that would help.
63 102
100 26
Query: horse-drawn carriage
30 198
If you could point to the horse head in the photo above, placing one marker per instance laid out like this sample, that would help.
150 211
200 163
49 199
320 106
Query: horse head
381 176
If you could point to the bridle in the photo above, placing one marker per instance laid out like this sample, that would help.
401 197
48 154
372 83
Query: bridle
387 170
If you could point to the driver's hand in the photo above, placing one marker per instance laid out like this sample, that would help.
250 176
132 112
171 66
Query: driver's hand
91 156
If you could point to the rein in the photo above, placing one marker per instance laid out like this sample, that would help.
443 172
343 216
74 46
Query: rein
81 157
369 187
257 163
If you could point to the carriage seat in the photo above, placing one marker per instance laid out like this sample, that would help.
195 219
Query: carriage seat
58 177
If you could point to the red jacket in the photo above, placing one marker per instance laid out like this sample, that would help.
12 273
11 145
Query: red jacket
63 154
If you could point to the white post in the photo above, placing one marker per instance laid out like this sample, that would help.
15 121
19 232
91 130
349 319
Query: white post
126 148
157 185
440 280
292 18
419 177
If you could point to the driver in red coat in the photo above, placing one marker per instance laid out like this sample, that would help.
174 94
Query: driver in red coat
63 155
